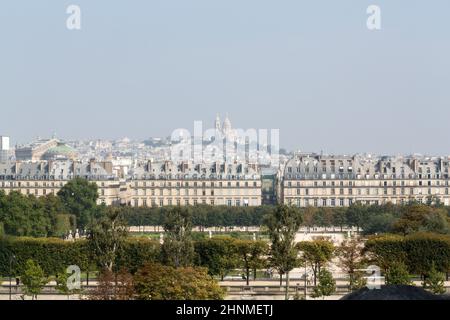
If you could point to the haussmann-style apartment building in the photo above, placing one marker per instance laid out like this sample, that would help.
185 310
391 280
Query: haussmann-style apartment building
148 183
40 178
333 181
187 183
305 180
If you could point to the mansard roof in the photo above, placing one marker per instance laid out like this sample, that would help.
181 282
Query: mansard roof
314 166
191 171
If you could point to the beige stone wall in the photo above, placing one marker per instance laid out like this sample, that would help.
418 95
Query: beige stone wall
189 192
344 192
155 193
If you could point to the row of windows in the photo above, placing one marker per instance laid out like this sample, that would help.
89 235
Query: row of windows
179 192
368 191
382 183
341 202
366 176
197 184
30 184
187 202
60 177
341 168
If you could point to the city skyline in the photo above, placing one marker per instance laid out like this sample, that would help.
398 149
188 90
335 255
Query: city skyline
319 76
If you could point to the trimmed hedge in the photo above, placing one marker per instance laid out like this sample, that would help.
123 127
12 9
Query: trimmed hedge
137 252
52 254
55 255
417 251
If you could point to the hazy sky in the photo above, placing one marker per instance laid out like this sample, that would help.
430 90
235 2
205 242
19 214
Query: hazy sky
309 68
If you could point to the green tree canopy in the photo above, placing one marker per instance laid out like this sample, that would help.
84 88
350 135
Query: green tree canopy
158 282
178 249
317 254
282 224
79 197
33 279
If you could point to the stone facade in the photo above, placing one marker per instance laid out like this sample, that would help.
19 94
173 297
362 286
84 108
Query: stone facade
47 177
167 183
305 180
148 184
333 181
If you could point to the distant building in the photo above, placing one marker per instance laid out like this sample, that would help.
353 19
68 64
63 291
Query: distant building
4 148
185 183
45 149
48 177
339 181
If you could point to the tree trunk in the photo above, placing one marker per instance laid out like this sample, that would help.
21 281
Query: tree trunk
287 286
281 279
248 275
254 273
315 277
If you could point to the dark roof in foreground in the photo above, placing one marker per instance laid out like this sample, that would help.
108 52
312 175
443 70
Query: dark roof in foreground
394 292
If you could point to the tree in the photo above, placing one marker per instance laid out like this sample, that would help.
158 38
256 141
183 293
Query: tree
326 286
282 225
157 282
250 255
258 256
317 254
397 274
417 217
434 281
33 279
350 258
340 218
378 223
106 237
216 254
356 215
62 286
308 215
178 249
79 197
23 216
113 286
54 210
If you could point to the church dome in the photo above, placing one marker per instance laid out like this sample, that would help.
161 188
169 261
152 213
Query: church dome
60 151
227 125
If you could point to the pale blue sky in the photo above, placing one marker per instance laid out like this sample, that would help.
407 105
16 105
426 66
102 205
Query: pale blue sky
309 68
